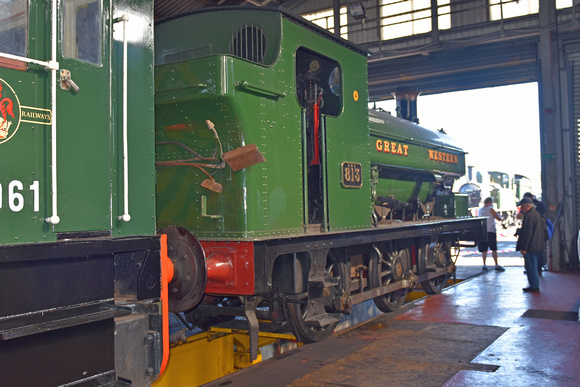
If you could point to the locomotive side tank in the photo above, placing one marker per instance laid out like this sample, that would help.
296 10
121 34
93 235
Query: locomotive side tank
269 177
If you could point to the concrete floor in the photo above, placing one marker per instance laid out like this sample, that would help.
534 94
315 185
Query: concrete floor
481 332
540 350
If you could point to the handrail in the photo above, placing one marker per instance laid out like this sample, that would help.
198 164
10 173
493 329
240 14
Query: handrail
244 85
53 66
304 169
324 171
49 65
125 217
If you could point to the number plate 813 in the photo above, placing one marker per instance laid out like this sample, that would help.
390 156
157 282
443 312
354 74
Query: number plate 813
351 175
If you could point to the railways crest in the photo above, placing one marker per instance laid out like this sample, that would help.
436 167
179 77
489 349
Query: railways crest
9 112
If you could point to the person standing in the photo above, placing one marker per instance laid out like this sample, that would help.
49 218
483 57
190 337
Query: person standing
531 242
488 212
539 206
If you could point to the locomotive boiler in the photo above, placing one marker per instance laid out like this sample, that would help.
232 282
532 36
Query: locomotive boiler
283 198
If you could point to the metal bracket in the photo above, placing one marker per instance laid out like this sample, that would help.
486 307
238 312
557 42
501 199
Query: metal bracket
250 304
204 209
153 344
66 83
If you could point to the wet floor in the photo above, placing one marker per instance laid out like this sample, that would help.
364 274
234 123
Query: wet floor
481 332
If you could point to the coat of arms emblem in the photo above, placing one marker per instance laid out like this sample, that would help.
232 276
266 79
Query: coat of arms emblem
9 111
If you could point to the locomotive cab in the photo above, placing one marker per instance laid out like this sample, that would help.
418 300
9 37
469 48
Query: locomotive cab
301 101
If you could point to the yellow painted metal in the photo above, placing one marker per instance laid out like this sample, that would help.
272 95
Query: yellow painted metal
242 343
415 295
262 335
211 355
203 358
420 293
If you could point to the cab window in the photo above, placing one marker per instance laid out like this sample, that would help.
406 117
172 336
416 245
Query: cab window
13 26
319 81
82 21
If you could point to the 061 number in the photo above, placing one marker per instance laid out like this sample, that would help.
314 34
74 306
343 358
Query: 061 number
15 196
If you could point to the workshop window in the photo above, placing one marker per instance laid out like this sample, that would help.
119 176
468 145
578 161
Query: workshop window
13 27
325 19
82 32
503 9
411 17
560 4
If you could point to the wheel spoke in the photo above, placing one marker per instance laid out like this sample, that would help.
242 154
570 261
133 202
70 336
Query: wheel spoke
385 268
306 331
442 259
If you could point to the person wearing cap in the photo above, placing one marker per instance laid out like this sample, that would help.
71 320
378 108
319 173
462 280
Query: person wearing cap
542 211
488 212
531 242
539 205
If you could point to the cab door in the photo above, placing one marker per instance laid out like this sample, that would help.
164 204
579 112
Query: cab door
318 89
83 116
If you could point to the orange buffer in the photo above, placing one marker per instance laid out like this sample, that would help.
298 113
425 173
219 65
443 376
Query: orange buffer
167 272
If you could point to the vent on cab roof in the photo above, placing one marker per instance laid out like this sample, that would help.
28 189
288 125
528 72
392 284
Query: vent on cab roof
249 43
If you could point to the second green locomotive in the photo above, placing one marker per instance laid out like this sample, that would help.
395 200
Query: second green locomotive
279 189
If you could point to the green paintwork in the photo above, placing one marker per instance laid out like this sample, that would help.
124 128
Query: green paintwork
408 156
452 206
89 134
198 79
267 199
418 148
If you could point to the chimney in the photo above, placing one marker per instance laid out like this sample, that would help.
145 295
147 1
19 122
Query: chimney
407 103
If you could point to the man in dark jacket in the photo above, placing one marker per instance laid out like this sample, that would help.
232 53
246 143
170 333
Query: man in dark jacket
542 211
531 242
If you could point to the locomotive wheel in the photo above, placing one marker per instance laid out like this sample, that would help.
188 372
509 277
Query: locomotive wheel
296 312
386 269
187 287
439 258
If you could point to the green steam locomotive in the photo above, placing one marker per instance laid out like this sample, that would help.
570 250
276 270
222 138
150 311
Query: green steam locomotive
242 175
302 201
